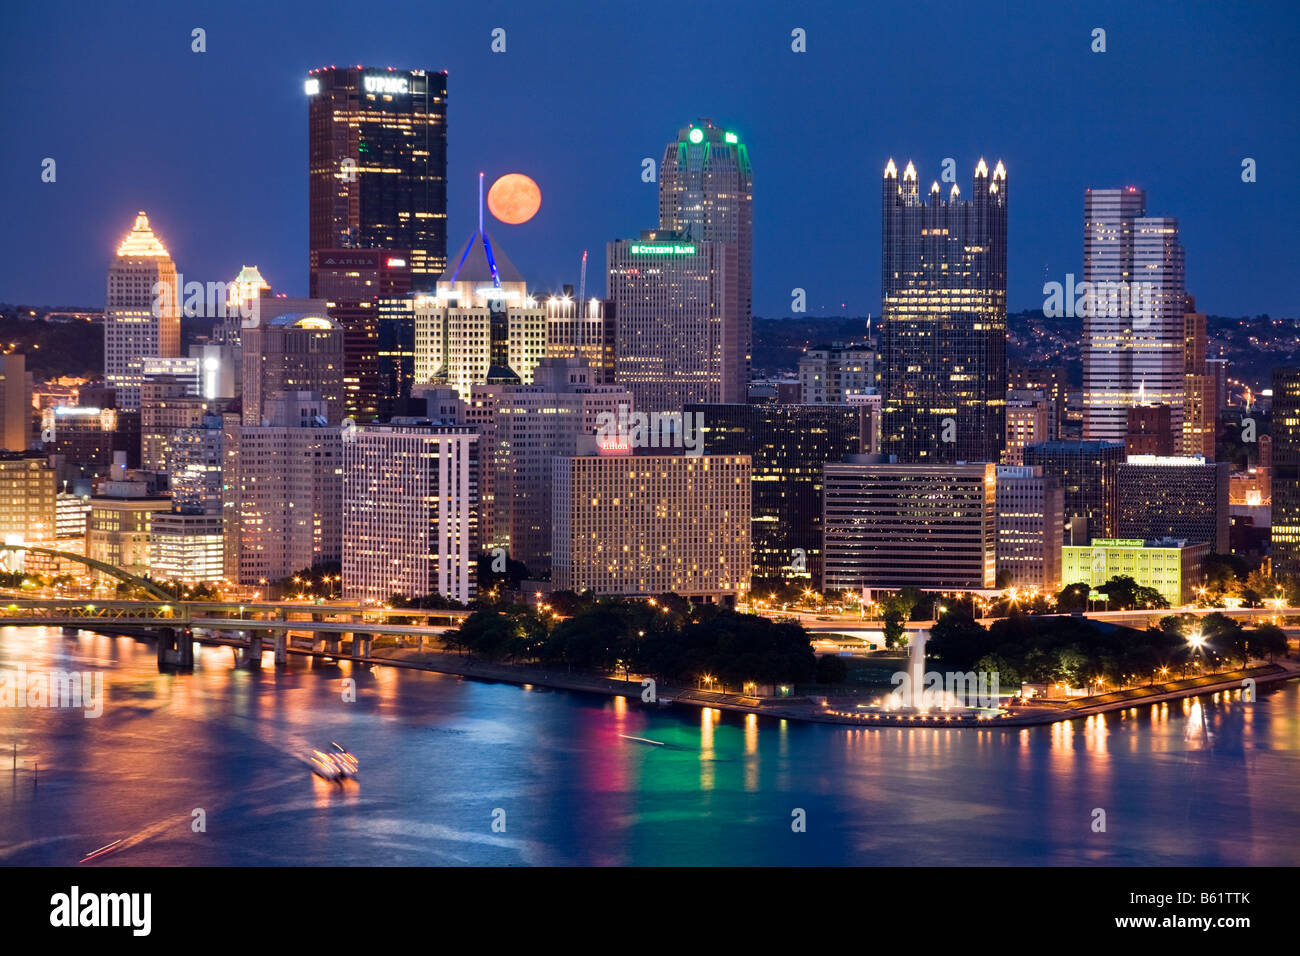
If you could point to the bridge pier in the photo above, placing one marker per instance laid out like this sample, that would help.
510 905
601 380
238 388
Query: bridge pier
362 644
281 648
251 656
176 648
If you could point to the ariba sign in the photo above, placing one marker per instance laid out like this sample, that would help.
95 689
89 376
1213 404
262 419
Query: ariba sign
386 84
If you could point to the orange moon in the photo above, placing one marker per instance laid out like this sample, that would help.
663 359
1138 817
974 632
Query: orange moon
514 198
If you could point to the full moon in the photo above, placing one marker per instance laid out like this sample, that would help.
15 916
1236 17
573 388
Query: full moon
514 198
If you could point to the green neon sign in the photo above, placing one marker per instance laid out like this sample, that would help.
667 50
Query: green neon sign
697 135
662 249
731 138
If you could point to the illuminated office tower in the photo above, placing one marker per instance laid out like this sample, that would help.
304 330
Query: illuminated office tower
891 525
1133 328
166 406
377 149
480 326
354 283
142 315
1030 528
788 445
293 352
1166 497
582 331
282 490
943 333
119 528
1285 469
706 192
1087 473
410 502
679 337
1027 424
15 403
1200 414
652 524
535 424
186 548
27 500
396 354
193 463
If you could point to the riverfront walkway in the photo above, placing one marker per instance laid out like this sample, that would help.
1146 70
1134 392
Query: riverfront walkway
816 710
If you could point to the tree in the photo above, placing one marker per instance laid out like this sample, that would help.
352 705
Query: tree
1267 640
957 640
893 619
1073 597
490 634
1125 594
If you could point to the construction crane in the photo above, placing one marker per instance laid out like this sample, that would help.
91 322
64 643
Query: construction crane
582 283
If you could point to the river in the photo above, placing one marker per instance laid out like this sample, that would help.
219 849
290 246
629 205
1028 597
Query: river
208 768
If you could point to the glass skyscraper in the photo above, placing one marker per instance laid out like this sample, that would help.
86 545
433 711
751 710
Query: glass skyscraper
1285 432
706 191
377 148
1133 335
944 318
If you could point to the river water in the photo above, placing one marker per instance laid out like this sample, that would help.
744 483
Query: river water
208 768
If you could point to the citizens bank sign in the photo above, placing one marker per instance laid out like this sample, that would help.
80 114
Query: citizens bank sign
385 84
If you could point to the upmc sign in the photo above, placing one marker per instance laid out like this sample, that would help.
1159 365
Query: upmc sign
385 84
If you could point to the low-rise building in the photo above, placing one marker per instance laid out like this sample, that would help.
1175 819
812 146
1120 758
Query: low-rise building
1174 567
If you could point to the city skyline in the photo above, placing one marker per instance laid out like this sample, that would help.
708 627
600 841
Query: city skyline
582 470
594 193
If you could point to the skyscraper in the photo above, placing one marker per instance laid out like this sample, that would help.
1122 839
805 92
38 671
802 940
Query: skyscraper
1285 463
282 490
354 283
533 425
1200 416
678 307
1167 497
142 316
480 327
377 148
1134 320
788 446
1086 472
943 332
706 191
293 352
410 499
15 403
889 525
650 524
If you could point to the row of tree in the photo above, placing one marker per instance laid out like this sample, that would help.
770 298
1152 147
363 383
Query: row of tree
665 638
1026 649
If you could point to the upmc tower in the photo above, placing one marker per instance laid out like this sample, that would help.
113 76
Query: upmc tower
378 191
378 165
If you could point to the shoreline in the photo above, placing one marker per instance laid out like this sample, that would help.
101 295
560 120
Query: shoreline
530 675
802 709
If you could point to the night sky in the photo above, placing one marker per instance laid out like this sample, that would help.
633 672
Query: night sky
213 145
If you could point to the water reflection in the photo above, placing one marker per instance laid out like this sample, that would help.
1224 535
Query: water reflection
586 779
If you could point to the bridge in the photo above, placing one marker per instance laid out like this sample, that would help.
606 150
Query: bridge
250 627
